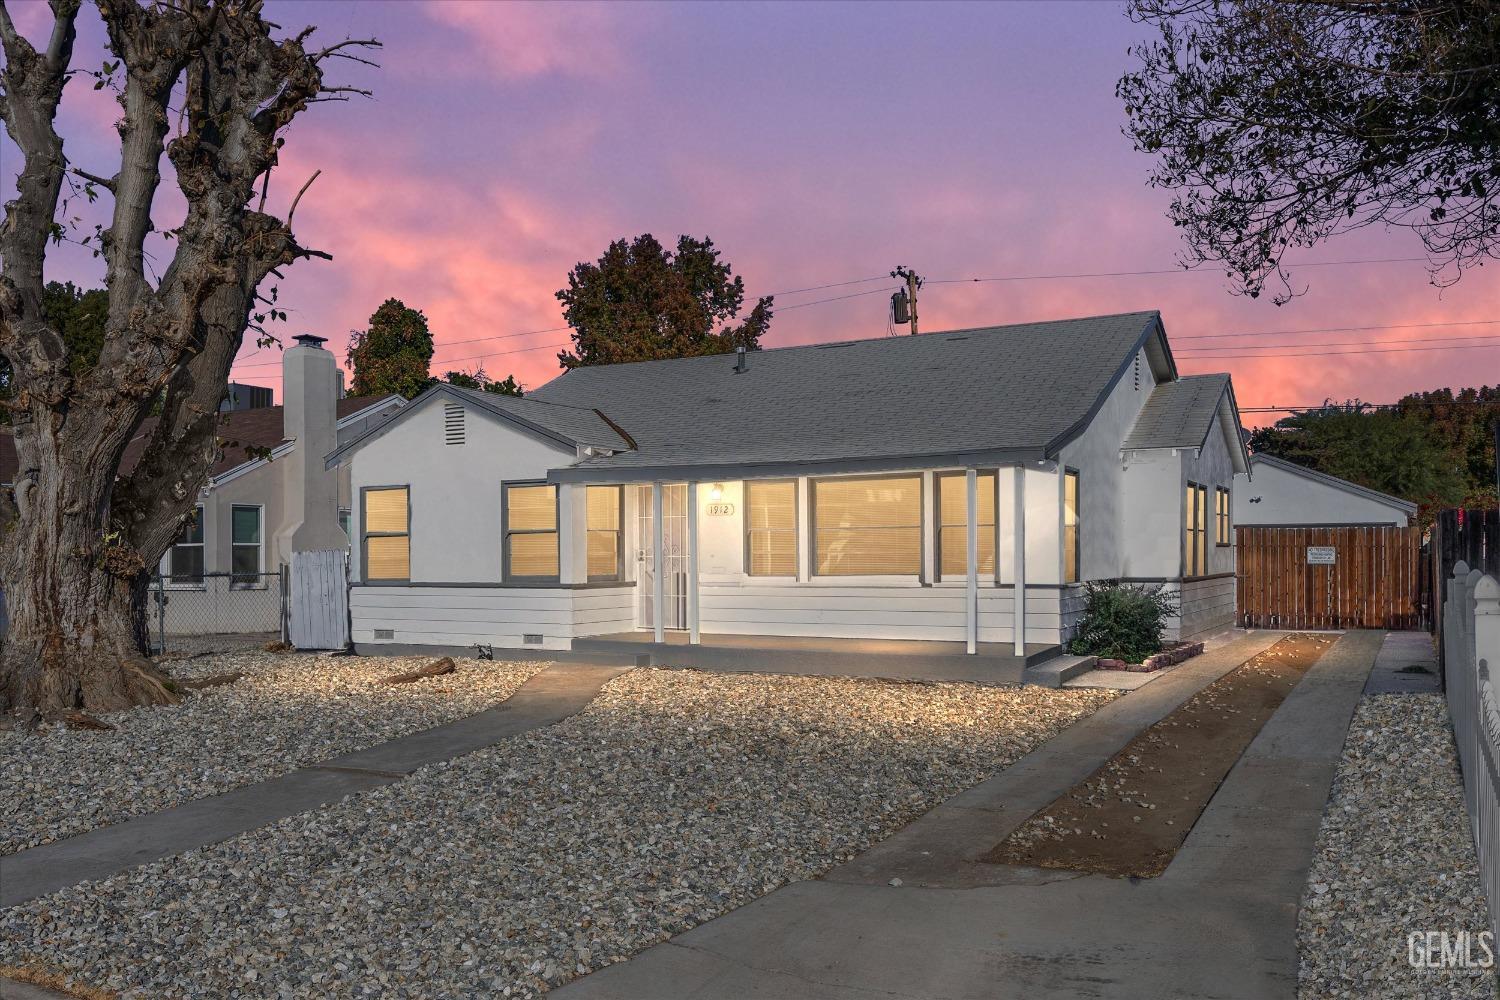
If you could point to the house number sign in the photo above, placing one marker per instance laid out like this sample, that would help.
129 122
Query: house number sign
719 509
1321 555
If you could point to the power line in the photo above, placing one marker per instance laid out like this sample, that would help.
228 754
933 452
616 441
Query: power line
1339 329
1200 351
1174 270
1338 354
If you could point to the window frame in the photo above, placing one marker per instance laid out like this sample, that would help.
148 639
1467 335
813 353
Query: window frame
365 534
961 476
619 573
1073 573
345 517
556 532
812 527
164 568
1195 530
1223 525
796 528
259 581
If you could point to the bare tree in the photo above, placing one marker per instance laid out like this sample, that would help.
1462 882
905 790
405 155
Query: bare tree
76 536
1280 125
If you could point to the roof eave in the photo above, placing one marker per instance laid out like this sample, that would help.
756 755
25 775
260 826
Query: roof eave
604 474
1154 328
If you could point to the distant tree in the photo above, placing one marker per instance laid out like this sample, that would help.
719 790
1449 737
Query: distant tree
642 302
79 316
1466 421
1394 452
479 382
393 354
1282 124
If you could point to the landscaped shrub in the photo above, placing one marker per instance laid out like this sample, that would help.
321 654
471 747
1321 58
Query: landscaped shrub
1123 622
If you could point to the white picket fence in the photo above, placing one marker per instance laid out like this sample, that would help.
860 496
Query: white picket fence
1471 650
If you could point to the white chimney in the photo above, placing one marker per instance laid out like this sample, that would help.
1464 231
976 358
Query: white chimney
309 492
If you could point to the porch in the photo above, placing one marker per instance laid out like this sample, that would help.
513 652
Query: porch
894 659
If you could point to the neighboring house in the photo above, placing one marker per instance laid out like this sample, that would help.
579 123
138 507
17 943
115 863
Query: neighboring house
822 492
1278 493
260 493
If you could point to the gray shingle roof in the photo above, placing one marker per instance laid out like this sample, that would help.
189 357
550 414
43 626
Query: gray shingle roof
1179 414
1026 388
578 424
1334 481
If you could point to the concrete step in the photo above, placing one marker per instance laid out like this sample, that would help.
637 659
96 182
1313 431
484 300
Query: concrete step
1058 670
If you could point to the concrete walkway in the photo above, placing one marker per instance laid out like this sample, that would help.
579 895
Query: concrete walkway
548 697
1407 664
1221 922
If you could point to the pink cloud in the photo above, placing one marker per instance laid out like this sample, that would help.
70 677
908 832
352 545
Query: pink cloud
517 40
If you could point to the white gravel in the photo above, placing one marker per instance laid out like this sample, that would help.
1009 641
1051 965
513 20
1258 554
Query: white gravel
673 798
288 711
1394 857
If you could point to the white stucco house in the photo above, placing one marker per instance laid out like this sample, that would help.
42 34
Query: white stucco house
1282 494
897 490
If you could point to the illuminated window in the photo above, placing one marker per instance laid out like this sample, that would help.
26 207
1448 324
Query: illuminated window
1072 553
385 524
530 525
1222 527
605 537
953 524
868 527
1195 533
771 527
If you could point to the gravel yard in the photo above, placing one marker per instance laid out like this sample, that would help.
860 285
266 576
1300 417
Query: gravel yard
289 710
674 797
1394 857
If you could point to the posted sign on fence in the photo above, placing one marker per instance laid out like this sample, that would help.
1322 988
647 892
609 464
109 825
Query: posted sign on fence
1321 555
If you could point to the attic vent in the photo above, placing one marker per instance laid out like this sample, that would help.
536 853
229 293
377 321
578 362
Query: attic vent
453 423
955 338
531 639
1138 373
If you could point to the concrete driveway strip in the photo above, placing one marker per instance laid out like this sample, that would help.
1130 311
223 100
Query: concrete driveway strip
550 696
1220 923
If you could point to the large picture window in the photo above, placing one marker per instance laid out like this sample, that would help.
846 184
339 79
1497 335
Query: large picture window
1195 535
246 553
868 527
385 522
184 561
1222 534
1072 552
953 524
605 538
771 527
530 526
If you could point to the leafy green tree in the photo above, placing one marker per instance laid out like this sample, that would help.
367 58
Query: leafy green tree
642 302
479 382
1283 124
1395 452
393 354
79 316
1466 421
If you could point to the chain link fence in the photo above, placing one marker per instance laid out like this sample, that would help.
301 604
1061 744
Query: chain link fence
216 610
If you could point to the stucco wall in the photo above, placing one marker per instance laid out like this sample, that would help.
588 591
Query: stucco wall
1290 499
455 489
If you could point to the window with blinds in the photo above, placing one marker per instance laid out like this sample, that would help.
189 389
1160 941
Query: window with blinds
605 537
771 527
867 527
1072 553
1195 534
1222 535
953 524
385 525
530 532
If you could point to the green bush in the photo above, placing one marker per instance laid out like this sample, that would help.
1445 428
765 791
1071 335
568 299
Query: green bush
1123 622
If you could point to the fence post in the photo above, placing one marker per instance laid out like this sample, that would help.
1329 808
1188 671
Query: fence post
161 614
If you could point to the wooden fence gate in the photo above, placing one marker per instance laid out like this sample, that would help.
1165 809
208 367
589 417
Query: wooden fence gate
318 608
1331 578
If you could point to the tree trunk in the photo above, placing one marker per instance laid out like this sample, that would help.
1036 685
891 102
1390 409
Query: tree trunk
69 583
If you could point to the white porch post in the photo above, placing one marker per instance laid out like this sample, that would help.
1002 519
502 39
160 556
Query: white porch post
692 563
971 602
1018 554
658 564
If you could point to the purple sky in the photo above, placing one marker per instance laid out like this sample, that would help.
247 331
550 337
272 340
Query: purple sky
814 143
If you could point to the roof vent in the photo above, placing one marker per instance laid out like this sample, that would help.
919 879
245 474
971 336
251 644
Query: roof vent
739 359
453 423
310 340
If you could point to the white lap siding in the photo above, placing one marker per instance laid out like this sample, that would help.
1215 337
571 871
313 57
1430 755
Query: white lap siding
498 616
835 612
1207 607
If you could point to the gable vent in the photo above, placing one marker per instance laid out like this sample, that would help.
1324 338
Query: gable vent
453 423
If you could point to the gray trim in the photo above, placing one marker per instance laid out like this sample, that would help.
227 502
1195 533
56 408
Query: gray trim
812 526
1173 579
1323 524
364 532
619 534
745 527
1154 327
505 532
789 470
1199 489
1228 516
1334 481
1077 527
501 585
531 654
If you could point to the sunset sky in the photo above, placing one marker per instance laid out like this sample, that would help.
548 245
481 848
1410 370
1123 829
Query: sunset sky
816 144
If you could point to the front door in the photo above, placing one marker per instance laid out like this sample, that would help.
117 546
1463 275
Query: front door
674 557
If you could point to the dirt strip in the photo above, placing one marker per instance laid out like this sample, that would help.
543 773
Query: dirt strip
1130 816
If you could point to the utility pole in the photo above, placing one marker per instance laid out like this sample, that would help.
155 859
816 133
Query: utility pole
904 303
